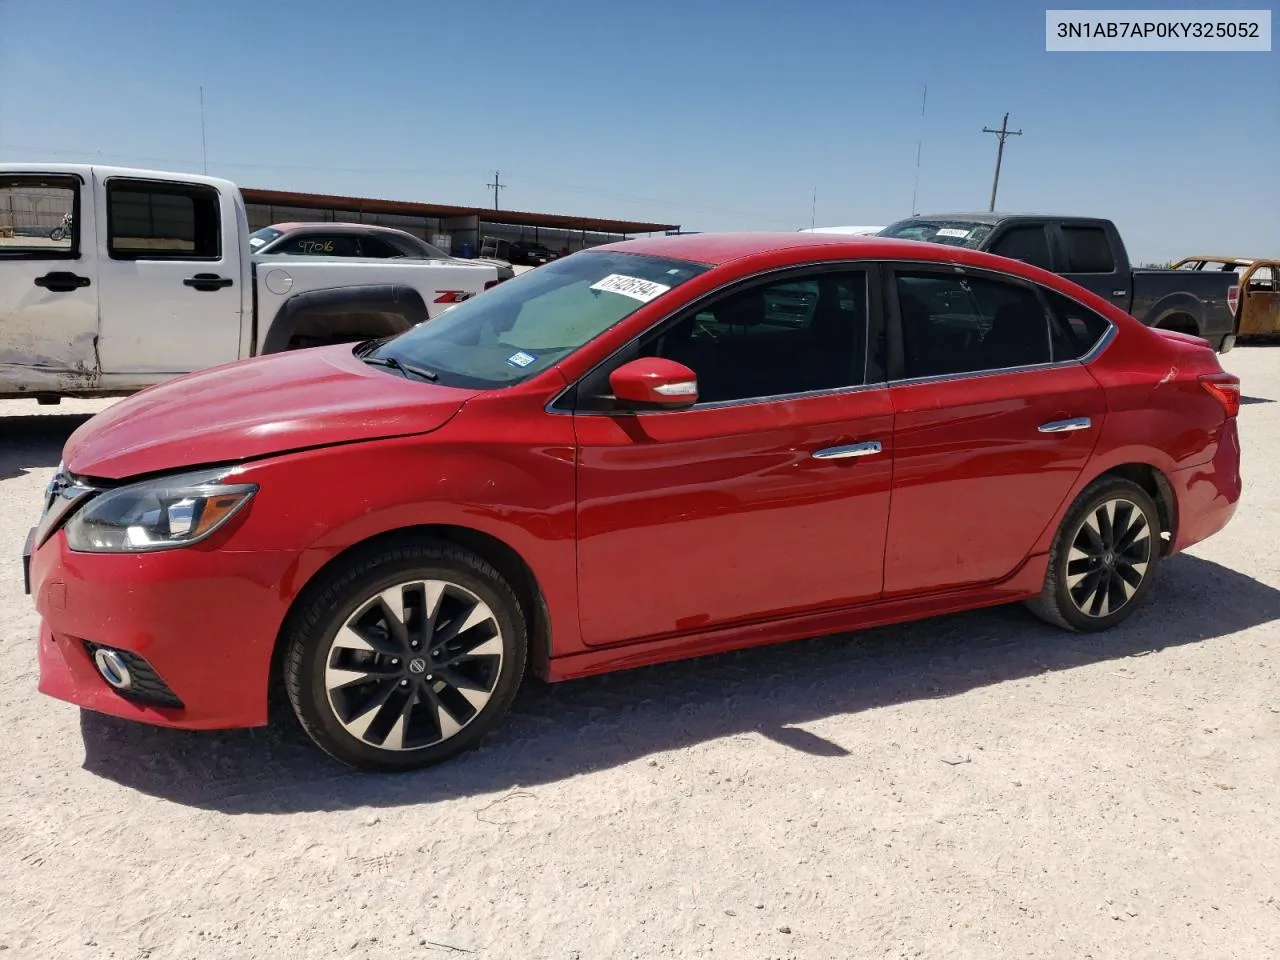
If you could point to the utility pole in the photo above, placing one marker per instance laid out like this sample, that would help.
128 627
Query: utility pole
204 154
915 190
1001 135
495 186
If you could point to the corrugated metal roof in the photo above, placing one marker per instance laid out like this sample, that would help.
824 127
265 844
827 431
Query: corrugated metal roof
322 201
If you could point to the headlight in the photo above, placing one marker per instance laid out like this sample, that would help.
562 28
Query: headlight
157 514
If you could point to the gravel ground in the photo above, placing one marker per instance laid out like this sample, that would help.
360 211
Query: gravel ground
972 786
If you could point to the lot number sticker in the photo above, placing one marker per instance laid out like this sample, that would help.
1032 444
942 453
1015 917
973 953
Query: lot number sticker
633 287
953 232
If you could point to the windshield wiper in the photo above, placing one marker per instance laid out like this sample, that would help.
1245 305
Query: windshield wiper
422 373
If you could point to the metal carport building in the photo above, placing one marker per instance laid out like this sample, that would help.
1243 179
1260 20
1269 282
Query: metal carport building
463 226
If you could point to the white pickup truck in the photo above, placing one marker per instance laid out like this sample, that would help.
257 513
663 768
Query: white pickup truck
113 279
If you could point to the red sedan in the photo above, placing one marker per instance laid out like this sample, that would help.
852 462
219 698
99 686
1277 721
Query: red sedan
647 451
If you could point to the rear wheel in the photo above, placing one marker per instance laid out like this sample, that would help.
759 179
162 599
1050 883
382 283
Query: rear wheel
406 657
1103 558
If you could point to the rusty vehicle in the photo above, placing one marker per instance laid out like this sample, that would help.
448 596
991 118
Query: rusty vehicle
1258 309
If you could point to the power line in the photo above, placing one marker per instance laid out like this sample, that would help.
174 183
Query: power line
496 186
1001 135
204 152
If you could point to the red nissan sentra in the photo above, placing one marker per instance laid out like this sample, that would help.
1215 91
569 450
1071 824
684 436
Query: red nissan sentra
647 451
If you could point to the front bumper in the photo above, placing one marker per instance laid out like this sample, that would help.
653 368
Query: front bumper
204 621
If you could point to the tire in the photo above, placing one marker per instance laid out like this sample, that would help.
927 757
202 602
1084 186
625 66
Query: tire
361 672
57 233
1090 585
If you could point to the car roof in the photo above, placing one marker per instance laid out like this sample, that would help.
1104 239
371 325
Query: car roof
987 216
720 248
333 225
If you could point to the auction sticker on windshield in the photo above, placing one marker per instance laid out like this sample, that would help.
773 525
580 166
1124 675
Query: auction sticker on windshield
953 232
633 287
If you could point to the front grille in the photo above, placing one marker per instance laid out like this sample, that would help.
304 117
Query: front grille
147 687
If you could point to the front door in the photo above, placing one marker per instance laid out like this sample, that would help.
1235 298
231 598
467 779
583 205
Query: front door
994 420
768 498
48 288
171 297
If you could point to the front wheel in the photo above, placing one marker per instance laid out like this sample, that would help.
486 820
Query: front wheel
405 657
1103 558
57 233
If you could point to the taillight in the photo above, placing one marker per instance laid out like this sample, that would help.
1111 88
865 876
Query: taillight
1233 298
452 296
1225 388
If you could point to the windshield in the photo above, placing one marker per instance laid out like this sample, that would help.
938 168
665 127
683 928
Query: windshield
524 325
954 233
260 238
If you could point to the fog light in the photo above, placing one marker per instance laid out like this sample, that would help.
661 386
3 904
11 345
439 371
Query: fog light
113 668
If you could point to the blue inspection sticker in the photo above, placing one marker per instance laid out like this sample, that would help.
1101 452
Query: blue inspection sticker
521 359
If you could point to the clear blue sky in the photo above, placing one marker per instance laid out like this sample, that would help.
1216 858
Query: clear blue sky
716 115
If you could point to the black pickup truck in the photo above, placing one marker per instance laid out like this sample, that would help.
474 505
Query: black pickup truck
1089 251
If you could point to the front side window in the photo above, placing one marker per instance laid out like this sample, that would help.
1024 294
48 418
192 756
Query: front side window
37 217
527 324
787 337
954 233
956 325
149 220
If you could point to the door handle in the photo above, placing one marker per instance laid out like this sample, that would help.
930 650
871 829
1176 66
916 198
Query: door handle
207 281
1066 426
851 450
61 281
1119 293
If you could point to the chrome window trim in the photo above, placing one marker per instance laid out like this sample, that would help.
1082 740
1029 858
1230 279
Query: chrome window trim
1036 287
1085 358
869 266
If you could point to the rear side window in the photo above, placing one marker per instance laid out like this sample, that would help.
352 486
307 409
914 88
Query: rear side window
162 221
376 247
37 217
1088 250
1029 244
1075 329
956 325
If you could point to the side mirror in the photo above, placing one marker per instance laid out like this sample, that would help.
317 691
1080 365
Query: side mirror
655 382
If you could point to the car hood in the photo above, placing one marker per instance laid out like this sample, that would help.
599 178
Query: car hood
254 408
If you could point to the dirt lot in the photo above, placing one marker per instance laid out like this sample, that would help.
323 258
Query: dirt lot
974 786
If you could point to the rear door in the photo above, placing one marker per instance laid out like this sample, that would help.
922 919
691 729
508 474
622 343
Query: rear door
48 288
995 417
170 298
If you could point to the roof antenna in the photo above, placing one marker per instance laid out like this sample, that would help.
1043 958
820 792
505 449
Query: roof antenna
813 213
919 148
